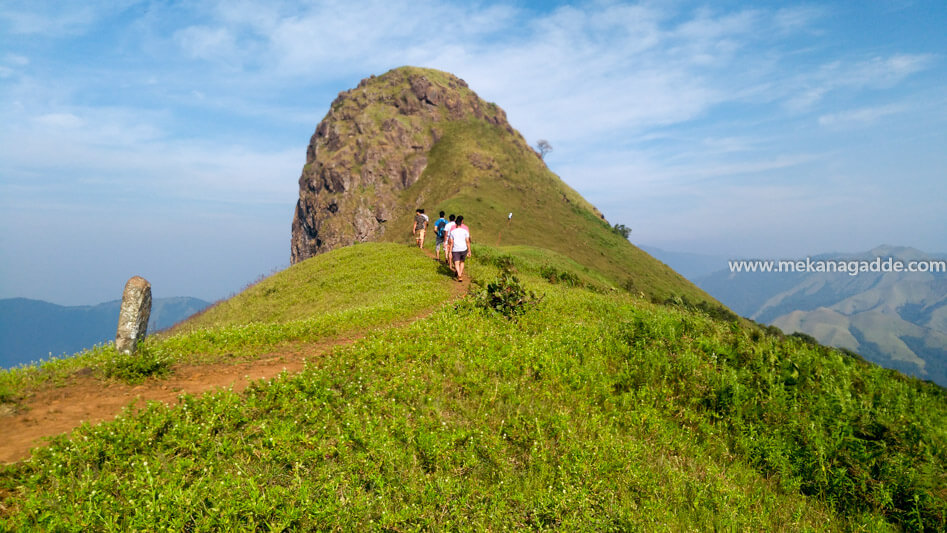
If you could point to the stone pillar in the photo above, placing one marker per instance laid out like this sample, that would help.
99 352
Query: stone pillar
133 318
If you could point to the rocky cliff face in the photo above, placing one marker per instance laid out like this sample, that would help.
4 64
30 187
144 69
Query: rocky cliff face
372 145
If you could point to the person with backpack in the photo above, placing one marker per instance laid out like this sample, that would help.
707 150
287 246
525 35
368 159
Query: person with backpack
420 226
459 244
440 238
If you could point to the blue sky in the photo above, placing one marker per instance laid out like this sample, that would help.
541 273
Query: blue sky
165 139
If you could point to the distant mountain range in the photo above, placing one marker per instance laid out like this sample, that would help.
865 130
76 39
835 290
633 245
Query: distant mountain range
31 330
895 319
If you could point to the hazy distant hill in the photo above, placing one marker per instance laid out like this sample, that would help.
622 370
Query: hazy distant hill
33 329
898 320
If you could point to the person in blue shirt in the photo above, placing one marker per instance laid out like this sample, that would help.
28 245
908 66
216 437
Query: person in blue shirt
440 238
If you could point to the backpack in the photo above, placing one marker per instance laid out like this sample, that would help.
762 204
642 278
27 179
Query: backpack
440 225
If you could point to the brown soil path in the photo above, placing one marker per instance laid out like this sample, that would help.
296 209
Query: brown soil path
53 410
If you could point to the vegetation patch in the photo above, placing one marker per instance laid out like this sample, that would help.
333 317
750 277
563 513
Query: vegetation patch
6 393
554 275
505 295
713 310
146 362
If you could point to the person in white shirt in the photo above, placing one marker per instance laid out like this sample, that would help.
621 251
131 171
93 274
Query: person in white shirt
447 229
459 243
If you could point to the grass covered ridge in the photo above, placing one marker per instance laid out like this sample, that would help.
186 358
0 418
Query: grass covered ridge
485 172
370 275
592 411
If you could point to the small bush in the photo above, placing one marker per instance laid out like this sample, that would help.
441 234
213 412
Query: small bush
504 263
6 394
554 275
849 353
505 295
718 312
714 311
622 230
806 339
144 363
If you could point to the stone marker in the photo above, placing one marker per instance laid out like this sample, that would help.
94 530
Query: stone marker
133 318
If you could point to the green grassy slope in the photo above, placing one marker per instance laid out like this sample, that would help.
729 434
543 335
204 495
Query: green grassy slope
594 410
368 276
476 169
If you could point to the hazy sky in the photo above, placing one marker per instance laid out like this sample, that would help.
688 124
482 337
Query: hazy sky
165 139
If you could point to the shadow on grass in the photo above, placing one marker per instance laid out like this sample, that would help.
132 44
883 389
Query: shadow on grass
444 270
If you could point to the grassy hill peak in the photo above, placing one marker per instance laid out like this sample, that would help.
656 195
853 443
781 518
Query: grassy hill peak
421 138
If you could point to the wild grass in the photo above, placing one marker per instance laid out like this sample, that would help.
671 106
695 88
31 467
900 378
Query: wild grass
590 411
363 276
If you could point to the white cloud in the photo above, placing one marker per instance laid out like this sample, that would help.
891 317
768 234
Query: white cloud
798 18
883 72
808 89
54 19
16 59
107 153
859 117
207 43
59 120
11 64
730 144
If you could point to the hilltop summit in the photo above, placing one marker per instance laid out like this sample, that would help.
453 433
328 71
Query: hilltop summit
416 137
372 145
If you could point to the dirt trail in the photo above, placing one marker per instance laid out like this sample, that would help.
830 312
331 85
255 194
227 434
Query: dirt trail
53 410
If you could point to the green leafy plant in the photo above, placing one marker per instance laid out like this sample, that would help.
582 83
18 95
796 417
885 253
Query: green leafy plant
554 275
505 295
6 393
146 362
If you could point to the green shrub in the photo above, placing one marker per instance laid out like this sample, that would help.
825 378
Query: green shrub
505 295
554 275
805 338
146 362
6 394
714 311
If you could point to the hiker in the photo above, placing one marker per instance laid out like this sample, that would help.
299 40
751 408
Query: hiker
459 243
420 226
447 229
440 238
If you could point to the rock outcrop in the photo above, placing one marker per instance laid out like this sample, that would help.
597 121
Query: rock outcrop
134 314
372 145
